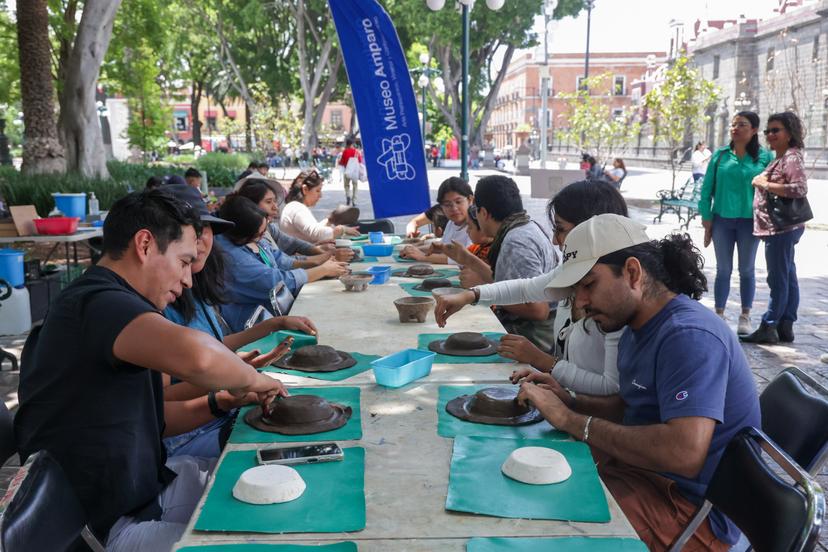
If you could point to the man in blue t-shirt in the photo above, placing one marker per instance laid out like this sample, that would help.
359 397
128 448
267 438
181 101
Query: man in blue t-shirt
686 387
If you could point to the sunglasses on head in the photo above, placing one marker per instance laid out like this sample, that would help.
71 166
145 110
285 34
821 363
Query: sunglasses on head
772 130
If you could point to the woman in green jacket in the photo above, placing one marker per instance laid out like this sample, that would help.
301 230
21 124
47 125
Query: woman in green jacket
726 207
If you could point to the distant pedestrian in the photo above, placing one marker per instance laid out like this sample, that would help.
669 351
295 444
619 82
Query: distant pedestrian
726 207
617 173
699 160
780 230
349 178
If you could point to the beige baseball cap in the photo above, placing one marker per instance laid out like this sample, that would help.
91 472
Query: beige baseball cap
591 240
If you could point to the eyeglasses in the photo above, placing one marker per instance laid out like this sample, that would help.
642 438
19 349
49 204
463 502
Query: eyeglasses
472 213
772 130
458 203
739 125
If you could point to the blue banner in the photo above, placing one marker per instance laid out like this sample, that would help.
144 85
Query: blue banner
386 107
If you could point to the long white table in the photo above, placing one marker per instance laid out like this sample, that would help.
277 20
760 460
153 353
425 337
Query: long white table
82 235
406 462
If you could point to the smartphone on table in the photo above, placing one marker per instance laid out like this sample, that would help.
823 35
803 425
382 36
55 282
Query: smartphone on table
302 454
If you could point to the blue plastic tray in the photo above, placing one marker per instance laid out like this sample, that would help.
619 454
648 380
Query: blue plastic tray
403 367
378 249
381 274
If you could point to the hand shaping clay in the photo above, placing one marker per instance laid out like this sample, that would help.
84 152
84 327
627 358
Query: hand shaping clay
537 466
269 484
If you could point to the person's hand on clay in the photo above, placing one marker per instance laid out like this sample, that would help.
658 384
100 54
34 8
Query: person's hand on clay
547 401
228 402
335 269
517 347
344 254
454 250
412 252
257 360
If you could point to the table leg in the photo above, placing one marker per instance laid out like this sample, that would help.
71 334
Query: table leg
75 252
51 252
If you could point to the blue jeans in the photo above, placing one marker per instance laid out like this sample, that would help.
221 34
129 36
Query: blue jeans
204 441
727 233
784 286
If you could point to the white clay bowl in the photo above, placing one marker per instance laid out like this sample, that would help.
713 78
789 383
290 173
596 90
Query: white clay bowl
537 466
342 243
269 484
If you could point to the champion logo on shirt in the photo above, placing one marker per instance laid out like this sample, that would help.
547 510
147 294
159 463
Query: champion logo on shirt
681 395
638 385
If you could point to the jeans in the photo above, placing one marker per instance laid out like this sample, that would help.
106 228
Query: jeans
727 233
204 441
784 286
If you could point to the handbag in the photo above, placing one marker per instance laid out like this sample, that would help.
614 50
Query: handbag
788 211
352 169
363 173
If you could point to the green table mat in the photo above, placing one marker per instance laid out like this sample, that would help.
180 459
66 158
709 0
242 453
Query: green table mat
477 485
367 260
356 238
363 364
562 544
399 259
409 289
451 426
334 500
424 339
269 342
349 396
337 547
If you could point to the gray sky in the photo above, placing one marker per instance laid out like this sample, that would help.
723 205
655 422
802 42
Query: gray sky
642 25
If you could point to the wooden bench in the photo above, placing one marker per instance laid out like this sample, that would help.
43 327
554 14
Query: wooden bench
687 197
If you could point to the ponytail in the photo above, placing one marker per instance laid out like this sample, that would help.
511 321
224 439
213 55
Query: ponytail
674 262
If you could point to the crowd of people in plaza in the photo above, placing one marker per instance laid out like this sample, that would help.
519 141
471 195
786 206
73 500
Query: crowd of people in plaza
619 352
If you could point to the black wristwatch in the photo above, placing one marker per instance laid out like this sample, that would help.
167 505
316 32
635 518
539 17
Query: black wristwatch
476 295
214 407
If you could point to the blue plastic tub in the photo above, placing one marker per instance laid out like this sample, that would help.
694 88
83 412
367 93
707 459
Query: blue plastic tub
378 249
403 367
71 205
11 267
380 273
376 237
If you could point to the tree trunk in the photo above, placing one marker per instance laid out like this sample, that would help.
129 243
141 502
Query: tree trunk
78 122
484 111
195 100
248 131
42 151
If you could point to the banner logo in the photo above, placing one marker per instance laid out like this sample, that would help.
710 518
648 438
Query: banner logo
393 157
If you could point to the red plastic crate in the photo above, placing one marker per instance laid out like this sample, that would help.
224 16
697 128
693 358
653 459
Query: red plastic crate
56 226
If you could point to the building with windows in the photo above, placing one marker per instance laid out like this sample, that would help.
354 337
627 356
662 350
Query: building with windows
768 65
516 115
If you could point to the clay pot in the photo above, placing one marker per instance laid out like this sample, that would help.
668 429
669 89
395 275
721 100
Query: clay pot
299 415
464 344
433 283
442 291
414 309
316 358
493 405
356 282
420 270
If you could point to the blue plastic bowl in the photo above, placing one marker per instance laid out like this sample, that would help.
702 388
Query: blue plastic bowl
403 367
381 274
378 249
376 237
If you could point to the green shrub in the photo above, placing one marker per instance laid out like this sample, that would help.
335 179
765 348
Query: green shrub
218 160
19 189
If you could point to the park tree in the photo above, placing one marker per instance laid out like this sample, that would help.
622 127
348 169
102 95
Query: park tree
42 150
503 31
591 124
78 123
677 108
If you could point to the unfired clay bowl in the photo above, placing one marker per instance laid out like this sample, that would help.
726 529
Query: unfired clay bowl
537 466
414 309
356 282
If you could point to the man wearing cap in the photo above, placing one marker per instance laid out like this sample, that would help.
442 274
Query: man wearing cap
685 385
90 385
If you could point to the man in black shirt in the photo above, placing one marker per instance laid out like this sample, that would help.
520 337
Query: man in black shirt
90 385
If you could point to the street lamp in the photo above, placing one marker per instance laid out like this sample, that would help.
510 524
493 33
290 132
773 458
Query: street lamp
427 75
548 9
743 101
589 5
466 6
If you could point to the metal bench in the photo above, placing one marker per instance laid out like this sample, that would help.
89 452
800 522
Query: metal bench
687 197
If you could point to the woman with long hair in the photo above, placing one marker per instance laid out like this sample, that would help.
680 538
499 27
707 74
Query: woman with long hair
785 178
297 219
726 207
263 193
255 269
617 173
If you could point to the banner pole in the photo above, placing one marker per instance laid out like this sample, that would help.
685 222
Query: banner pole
464 117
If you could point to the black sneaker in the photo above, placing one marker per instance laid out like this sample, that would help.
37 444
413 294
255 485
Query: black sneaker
785 331
763 334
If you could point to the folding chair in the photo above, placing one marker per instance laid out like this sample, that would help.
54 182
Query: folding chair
378 225
796 419
45 513
772 513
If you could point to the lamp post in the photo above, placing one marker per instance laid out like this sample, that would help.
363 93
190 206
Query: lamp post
548 9
465 8
589 5
427 75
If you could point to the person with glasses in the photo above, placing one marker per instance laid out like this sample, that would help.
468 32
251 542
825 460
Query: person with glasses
297 219
432 216
784 177
454 197
726 207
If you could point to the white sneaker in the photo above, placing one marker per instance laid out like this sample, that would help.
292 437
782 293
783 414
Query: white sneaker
744 326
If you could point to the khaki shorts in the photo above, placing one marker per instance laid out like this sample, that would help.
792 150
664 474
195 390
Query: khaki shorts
652 503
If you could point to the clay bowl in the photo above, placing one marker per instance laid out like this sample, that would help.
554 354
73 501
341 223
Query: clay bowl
443 291
356 282
414 309
420 270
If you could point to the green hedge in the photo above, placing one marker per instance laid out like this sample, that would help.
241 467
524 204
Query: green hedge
19 189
